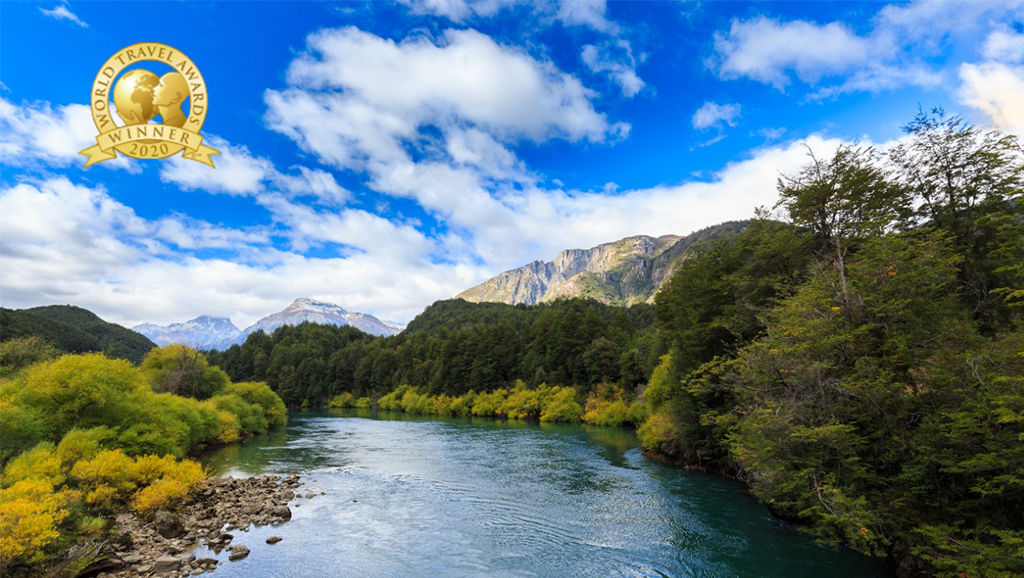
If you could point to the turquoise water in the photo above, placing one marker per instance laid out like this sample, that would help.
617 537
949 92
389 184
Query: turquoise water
418 497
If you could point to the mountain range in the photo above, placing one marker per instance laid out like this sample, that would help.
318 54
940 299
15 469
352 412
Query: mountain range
207 332
623 272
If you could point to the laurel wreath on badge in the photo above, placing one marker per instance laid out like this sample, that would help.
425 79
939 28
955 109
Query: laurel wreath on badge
139 97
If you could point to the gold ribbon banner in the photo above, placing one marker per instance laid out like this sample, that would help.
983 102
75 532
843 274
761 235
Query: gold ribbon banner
149 141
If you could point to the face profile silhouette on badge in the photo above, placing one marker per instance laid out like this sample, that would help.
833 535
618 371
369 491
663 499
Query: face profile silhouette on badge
141 95
168 96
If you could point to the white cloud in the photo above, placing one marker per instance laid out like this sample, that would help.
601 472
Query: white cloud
390 90
40 132
588 13
891 54
997 90
240 173
617 60
772 133
711 114
402 116
61 12
1004 45
878 77
191 234
67 243
927 24
765 49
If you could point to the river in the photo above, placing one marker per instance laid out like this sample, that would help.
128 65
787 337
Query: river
411 497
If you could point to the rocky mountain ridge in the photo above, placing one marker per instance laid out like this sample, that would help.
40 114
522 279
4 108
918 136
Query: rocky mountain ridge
622 272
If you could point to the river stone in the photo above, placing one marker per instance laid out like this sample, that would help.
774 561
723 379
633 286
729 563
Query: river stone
274 539
238 552
281 512
167 525
166 564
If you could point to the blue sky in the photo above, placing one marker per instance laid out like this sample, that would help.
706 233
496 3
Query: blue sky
382 156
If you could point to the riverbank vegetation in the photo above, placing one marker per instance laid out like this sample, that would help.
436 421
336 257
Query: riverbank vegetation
860 363
87 436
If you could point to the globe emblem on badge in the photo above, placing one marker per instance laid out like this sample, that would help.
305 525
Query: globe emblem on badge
139 98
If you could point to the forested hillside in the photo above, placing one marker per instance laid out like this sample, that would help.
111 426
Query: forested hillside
860 366
455 347
74 330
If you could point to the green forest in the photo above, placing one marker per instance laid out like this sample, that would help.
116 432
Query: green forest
855 355
74 330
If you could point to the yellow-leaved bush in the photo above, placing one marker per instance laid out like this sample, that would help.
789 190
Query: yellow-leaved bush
545 402
30 512
117 442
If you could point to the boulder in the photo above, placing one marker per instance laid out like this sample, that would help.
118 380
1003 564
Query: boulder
238 552
274 539
282 512
167 525
166 564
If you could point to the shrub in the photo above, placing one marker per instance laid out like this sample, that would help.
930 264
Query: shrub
259 394
563 406
19 353
344 400
82 444
606 412
181 370
489 404
658 433
81 391
30 513
251 418
22 427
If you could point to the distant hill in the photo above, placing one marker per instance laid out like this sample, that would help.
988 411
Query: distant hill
623 272
74 330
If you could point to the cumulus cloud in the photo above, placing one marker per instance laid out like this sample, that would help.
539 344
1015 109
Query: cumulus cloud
404 117
61 12
766 50
241 173
711 114
837 59
997 90
587 13
615 59
33 133
1004 44
356 95
68 243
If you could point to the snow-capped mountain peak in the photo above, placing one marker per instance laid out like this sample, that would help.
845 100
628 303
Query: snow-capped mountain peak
208 332
203 332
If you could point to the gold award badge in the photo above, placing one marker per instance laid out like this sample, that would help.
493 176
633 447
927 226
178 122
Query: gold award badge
139 97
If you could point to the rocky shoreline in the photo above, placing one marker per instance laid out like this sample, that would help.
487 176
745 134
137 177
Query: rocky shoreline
161 546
